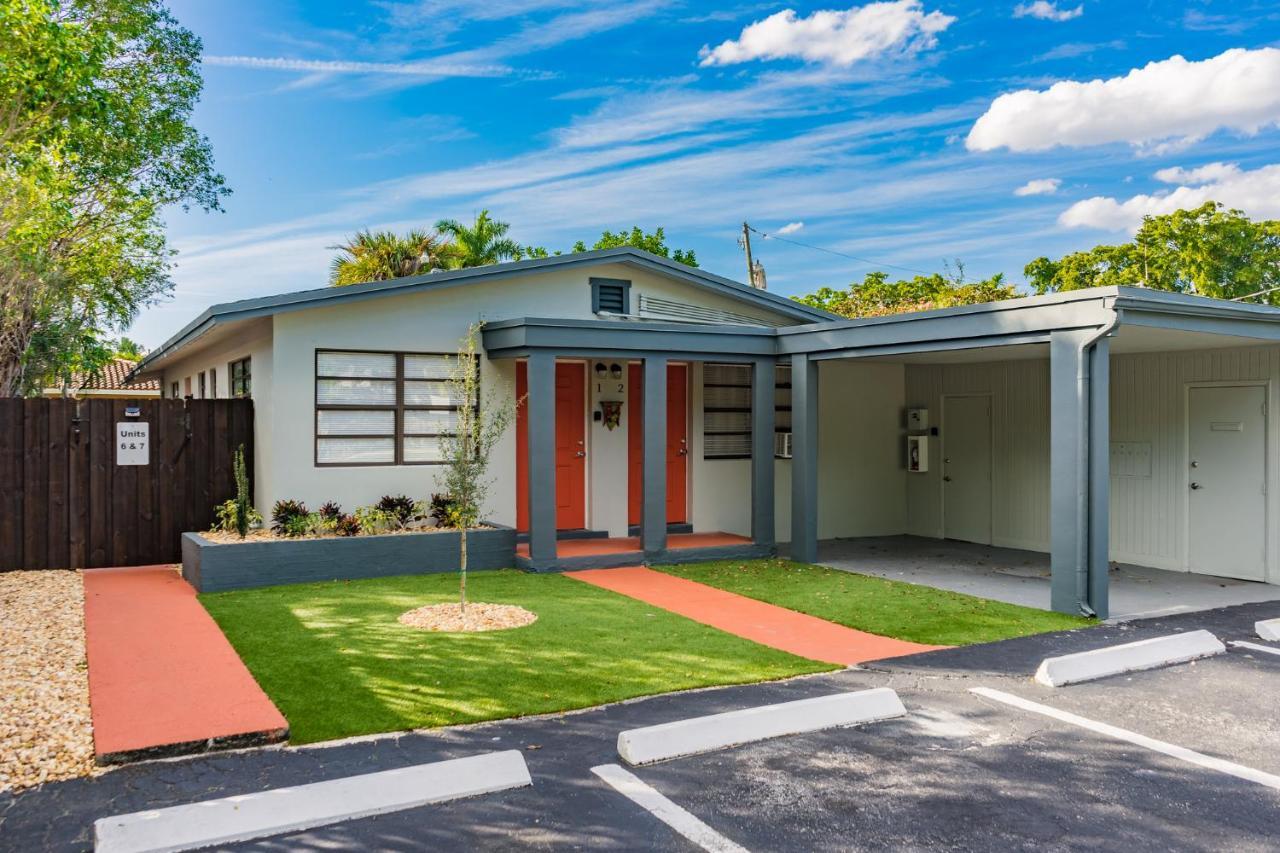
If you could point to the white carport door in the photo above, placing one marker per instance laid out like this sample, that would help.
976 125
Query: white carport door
1226 481
966 468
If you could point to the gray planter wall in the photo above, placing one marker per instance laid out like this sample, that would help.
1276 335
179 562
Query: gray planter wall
210 567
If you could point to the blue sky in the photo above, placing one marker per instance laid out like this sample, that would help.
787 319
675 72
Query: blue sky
901 132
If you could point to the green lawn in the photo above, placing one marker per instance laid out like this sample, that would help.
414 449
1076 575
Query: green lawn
335 661
889 608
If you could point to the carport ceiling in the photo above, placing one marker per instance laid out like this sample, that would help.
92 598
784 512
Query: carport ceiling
1152 339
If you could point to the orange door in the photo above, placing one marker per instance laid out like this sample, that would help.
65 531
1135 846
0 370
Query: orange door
571 450
677 443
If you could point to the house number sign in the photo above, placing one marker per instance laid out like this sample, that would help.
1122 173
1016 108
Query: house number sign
133 443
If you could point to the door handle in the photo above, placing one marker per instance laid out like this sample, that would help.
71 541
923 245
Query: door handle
946 479
682 452
580 453
1195 485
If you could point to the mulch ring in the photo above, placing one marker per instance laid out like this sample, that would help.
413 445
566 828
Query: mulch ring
477 616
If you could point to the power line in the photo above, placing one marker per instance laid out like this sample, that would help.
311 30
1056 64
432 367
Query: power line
838 254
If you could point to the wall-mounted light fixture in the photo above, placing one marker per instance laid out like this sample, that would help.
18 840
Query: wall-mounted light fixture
615 370
601 372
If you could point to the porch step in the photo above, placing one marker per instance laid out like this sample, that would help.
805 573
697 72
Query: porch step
567 535
681 527
614 553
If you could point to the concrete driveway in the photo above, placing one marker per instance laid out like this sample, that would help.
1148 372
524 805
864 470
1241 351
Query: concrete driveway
959 772
1022 577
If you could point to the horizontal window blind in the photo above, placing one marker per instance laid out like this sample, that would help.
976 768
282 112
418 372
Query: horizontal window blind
726 409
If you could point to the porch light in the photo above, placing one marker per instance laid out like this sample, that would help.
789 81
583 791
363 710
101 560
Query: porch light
615 370
601 372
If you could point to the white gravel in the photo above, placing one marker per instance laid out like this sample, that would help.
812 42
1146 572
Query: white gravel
46 733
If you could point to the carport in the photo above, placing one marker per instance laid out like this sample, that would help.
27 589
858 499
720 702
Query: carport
1110 424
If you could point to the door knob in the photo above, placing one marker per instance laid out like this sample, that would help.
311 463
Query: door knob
1195 485
581 453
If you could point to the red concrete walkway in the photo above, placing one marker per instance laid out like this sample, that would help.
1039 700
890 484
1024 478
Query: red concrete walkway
622 545
767 624
162 678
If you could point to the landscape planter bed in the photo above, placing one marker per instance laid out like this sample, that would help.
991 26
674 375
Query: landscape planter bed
215 566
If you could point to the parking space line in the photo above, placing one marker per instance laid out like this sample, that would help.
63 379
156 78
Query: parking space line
663 809
1253 647
1173 750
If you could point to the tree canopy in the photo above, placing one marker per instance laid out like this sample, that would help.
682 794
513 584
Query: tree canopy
877 296
483 242
96 98
655 242
383 255
1210 251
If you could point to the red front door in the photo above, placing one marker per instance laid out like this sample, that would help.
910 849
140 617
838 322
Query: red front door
571 447
677 443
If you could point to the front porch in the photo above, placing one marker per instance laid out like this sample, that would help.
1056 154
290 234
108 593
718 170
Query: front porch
611 552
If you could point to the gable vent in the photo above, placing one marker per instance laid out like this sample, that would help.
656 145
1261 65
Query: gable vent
610 296
669 309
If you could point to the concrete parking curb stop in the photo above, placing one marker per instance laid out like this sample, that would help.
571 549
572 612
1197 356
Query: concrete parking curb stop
1268 629
250 816
1129 657
704 734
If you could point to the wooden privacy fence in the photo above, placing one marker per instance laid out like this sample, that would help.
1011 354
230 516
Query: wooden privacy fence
65 502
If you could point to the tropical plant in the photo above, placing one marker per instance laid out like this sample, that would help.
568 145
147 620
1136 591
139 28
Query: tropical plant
876 296
245 514
330 511
374 521
383 255
347 525
441 509
128 349
480 425
479 244
399 507
1209 251
284 515
229 516
96 98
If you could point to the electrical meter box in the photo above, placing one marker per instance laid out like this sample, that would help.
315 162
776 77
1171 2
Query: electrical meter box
917 419
917 454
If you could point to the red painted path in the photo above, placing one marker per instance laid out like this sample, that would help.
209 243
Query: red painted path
162 677
767 624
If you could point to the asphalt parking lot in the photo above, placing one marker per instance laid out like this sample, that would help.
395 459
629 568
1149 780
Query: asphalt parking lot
962 771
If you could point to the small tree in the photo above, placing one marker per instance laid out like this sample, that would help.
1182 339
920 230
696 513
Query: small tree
466 453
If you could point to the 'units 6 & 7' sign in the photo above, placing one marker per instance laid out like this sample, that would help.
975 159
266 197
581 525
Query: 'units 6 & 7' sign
133 443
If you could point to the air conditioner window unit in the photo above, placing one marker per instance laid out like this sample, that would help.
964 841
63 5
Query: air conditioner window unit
782 445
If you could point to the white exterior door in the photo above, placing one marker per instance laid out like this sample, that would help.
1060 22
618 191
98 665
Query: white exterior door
966 468
1226 481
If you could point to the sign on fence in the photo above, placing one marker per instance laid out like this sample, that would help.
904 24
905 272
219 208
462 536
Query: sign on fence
133 443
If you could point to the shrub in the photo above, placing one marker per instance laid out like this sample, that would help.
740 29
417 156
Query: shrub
399 507
443 510
331 511
346 525
373 520
284 513
302 525
230 516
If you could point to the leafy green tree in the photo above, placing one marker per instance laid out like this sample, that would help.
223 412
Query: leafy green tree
655 243
1209 251
481 243
128 349
95 142
877 296
383 255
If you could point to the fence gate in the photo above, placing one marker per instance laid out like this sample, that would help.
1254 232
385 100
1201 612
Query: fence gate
90 483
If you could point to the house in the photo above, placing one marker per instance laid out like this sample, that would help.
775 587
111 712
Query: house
112 382
1103 424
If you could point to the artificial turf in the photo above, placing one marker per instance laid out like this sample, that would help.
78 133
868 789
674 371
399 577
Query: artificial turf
337 663
906 611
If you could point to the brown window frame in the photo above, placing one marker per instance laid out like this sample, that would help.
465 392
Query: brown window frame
399 408
245 380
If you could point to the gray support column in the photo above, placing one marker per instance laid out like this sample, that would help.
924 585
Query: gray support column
541 405
804 461
653 501
1100 477
763 401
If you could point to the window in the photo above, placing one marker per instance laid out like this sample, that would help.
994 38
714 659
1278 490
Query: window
726 409
382 408
240 374
173 390
186 387
611 295
204 389
213 382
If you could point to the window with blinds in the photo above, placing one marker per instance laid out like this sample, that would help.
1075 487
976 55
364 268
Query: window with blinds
726 409
383 408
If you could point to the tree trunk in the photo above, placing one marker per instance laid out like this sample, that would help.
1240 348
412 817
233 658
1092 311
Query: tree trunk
464 570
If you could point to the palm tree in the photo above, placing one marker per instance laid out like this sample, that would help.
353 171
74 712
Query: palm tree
484 242
382 255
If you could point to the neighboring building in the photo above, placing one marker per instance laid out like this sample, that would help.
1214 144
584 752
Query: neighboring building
1107 423
111 382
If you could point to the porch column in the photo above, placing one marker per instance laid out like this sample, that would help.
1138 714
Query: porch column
541 403
804 459
762 435
653 501
1079 447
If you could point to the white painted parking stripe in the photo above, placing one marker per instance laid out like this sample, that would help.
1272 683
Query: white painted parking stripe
666 811
732 728
1173 750
1245 644
244 818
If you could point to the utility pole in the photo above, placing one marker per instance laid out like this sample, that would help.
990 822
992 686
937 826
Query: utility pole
746 245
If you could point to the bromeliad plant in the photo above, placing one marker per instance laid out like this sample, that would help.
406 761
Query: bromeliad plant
466 453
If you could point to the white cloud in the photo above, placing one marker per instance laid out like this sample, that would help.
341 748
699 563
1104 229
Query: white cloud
1046 11
1159 107
1040 186
790 228
425 68
835 37
1256 192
